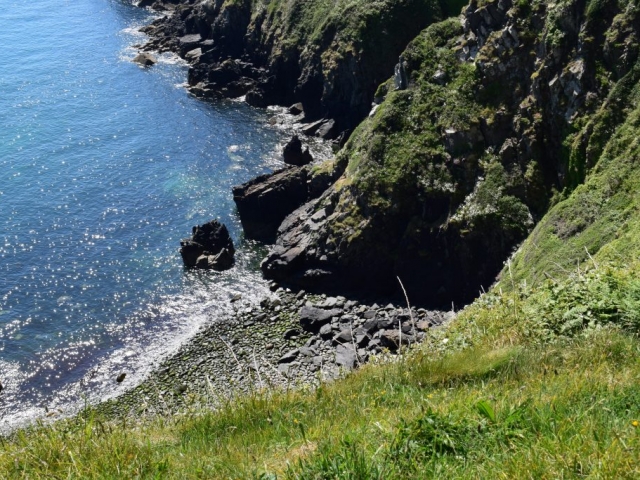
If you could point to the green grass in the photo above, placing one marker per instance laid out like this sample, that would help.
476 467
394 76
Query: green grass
505 392
539 378
340 29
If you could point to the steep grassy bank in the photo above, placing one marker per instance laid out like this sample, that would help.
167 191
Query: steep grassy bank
598 221
534 383
500 408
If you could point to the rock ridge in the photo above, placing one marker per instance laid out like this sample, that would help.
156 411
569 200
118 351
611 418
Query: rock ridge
277 54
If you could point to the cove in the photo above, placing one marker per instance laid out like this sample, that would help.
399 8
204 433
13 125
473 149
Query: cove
104 167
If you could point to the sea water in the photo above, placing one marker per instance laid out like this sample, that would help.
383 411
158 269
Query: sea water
104 167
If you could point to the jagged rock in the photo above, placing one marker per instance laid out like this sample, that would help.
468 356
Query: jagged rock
189 42
288 258
256 98
293 154
346 357
145 59
391 339
328 130
193 55
440 77
361 337
400 75
311 129
326 331
210 246
222 261
423 325
308 352
370 326
345 336
291 333
264 202
312 318
201 90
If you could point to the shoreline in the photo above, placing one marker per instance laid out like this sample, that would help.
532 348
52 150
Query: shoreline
265 347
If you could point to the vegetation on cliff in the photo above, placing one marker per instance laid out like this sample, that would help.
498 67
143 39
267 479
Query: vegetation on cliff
525 113
329 55
508 111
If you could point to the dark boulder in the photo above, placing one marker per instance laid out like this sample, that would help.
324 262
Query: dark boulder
193 55
221 261
312 319
256 98
210 247
291 333
189 42
289 356
264 202
328 130
344 336
346 357
312 128
392 339
296 109
293 154
326 332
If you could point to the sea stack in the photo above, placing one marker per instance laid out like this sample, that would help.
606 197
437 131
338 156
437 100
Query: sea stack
210 247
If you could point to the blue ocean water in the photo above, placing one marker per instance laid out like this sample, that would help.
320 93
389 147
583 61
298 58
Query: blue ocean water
104 167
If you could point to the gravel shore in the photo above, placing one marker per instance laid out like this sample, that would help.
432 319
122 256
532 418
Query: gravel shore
290 339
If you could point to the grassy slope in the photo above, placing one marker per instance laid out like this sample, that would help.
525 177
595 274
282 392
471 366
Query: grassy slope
537 379
563 411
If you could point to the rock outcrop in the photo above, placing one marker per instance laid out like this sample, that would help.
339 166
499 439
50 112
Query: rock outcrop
210 247
294 155
145 59
264 202
276 54
499 114
448 176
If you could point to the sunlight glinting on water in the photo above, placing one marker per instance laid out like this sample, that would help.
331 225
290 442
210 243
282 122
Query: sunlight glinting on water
104 167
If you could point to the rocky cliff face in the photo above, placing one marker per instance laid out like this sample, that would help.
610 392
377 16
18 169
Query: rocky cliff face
447 177
508 111
330 56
